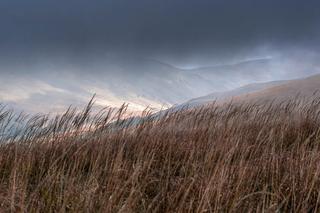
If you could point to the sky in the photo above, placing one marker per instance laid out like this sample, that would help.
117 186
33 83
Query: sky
175 31
37 34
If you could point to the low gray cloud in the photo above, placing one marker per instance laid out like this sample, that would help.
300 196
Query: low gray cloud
175 30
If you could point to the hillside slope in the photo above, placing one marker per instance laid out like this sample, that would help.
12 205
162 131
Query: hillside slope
304 88
278 90
218 96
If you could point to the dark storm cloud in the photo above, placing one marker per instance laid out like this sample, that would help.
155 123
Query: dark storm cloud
176 28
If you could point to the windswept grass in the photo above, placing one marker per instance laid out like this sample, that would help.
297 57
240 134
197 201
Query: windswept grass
232 158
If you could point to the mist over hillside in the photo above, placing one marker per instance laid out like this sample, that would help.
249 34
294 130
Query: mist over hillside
46 85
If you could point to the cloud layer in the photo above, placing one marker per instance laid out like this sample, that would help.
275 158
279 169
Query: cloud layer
174 30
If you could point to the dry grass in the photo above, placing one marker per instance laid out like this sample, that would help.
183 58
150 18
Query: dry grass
235 158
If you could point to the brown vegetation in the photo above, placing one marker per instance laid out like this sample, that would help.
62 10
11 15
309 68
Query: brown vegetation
249 157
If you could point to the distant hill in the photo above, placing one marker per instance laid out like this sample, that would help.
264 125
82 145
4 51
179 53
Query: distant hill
303 88
218 96
279 90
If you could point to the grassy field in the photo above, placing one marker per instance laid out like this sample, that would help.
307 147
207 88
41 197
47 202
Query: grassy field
231 158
